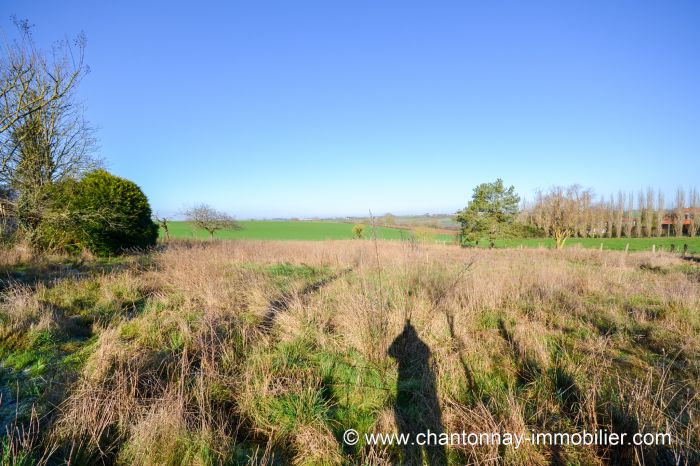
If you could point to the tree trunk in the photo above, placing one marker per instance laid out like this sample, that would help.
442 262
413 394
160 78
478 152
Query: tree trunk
560 239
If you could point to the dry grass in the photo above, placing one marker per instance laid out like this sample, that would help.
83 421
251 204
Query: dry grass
517 341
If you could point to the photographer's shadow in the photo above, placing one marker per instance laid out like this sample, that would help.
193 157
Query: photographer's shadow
417 409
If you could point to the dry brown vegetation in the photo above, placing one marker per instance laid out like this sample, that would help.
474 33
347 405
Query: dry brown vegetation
246 352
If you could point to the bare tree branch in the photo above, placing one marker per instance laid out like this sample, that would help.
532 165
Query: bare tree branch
210 219
31 81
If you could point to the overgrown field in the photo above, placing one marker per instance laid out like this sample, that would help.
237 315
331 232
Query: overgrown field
250 352
298 230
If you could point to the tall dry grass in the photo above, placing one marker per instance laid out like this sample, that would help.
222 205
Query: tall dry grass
519 341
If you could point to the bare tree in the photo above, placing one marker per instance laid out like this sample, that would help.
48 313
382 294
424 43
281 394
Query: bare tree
649 208
628 225
30 79
646 213
679 213
635 223
597 219
210 219
610 217
620 213
694 227
660 213
559 212
641 220
584 218
163 222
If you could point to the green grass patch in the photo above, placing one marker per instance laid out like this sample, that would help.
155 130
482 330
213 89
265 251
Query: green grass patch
609 244
284 276
313 386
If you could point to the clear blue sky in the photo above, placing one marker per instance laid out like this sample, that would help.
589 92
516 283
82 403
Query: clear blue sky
296 108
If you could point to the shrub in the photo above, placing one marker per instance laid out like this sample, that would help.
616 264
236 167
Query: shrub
522 230
358 230
116 214
102 213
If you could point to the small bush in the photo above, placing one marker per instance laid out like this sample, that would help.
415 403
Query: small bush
358 230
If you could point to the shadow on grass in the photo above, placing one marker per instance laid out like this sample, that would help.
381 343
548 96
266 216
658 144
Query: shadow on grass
282 304
49 272
417 408
692 258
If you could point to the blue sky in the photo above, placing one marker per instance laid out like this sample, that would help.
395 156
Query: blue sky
277 109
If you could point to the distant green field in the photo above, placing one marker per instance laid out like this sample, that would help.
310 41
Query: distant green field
618 244
291 230
319 230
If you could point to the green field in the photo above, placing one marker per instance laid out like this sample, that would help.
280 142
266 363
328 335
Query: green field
292 230
617 244
319 231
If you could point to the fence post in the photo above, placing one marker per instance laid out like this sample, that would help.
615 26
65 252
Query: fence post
601 246
653 248
627 248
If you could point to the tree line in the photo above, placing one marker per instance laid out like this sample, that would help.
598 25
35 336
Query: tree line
564 212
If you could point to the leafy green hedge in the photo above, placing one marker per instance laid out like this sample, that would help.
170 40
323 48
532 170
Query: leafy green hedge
102 213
